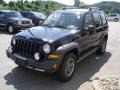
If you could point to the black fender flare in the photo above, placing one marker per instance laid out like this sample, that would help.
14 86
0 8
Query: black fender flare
104 36
66 48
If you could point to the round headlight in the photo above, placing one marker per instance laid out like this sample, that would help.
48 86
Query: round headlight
31 22
46 48
10 49
37 56
13 41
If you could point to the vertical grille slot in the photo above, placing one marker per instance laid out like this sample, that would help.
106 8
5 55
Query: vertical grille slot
26 47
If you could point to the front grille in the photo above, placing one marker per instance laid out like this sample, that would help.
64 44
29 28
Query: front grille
27 47
25 22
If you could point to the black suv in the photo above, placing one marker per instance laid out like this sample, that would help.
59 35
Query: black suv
36 17
65 38
12 21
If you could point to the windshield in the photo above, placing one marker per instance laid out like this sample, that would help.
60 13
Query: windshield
13 14
63 20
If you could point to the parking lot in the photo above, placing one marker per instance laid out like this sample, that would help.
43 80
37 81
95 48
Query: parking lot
13 77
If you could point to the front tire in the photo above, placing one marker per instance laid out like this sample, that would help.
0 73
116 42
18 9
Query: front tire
10 29
67 69
116 19
102 48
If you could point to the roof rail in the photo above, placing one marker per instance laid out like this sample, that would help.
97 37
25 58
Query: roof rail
94 9
64 8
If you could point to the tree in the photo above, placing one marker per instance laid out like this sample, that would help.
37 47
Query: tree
12 4
22 3
1 1
77 3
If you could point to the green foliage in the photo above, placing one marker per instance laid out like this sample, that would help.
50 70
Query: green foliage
39 6
11 4
77 3
109 7
1 1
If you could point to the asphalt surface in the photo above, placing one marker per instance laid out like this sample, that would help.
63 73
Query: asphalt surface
13 77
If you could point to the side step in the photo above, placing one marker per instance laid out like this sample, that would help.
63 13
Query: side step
87 54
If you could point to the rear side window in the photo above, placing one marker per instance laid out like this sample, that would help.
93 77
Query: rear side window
2 15
113 15
24 14
27 15
97 19
104 21
88 20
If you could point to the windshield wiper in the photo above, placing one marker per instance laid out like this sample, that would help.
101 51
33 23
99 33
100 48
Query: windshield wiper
46 25
60 26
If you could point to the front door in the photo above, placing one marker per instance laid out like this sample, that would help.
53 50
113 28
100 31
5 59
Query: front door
87 35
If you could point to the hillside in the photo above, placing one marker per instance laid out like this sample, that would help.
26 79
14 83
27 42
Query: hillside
40 6
109 6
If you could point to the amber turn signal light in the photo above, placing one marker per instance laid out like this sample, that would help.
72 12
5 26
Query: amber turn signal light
54 56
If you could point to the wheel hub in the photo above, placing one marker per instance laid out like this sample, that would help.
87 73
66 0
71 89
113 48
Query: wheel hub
69 68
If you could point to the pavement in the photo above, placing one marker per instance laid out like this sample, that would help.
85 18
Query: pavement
13 77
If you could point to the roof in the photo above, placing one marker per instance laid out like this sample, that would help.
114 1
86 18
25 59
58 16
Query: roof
73 11
29 12
7 11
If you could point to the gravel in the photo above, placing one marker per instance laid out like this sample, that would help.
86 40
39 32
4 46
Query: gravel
109 83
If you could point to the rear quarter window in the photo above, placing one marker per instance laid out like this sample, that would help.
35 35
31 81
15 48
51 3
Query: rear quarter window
103 17
97 19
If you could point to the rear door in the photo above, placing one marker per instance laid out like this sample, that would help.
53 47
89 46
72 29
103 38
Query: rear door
98 27
2 20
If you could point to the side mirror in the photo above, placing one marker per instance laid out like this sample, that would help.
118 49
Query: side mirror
40 23
90 29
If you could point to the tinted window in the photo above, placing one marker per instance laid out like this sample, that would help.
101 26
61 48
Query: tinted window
24 14
27 15
97 19
113 15
30 16
88 20
2 15
104 21
13 14
66 20
40 15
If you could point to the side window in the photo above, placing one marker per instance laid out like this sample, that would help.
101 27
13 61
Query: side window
30 16
113 15
2 15
24 14
104 21
88 20
97 19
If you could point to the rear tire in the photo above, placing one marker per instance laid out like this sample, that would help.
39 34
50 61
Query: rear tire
67 68
102 48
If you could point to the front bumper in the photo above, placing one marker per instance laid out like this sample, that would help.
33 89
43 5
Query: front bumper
18 27
44 65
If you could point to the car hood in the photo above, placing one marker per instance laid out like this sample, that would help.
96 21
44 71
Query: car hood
17 18
46 33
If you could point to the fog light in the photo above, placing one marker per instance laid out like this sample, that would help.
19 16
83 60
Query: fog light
37 56
10 49
54 66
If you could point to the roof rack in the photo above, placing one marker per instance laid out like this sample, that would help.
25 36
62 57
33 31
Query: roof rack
94 9
64 8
